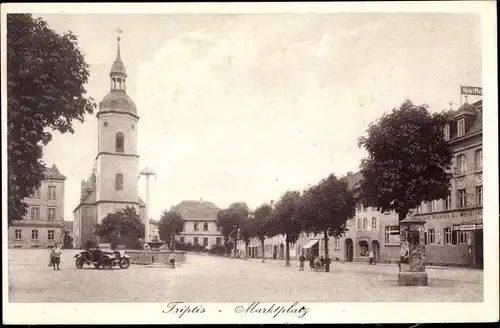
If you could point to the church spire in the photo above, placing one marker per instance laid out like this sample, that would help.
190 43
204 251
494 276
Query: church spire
118 72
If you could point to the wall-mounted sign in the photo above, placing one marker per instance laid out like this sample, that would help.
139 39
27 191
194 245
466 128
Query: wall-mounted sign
467 227
473 91
458 215
479 226
456 227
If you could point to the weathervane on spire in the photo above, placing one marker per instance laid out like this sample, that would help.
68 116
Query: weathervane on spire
119 31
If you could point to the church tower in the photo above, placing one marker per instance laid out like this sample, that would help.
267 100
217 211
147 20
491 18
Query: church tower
117 168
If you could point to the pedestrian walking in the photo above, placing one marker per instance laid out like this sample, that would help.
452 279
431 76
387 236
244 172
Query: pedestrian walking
371 256
302 259
55 256
311 261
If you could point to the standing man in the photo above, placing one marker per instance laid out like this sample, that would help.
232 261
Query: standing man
55 256
302 259
172 260
371 256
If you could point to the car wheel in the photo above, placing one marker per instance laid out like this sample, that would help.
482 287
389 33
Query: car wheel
79 263
124 263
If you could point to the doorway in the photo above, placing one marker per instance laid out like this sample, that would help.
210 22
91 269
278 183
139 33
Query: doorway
349 250
376 250
478 249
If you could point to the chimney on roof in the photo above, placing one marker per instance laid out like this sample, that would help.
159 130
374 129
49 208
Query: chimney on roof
349 173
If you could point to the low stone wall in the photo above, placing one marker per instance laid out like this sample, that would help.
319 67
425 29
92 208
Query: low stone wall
145 257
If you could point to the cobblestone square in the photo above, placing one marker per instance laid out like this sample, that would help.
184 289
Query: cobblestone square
212 279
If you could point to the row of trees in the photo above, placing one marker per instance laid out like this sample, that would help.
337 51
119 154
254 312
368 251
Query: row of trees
321 209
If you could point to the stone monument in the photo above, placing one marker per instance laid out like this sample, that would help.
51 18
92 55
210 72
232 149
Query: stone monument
412 255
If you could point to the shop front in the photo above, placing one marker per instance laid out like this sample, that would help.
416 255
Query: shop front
454 238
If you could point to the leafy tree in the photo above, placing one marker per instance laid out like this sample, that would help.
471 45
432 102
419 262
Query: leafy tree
238 213
286 220
225 225
261 224
326 208
247 232
408 160
46 74
124 224
229 221
171 224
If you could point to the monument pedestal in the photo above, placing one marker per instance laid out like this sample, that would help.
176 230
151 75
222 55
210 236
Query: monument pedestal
409 278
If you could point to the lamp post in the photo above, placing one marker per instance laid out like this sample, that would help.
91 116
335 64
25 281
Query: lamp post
147 172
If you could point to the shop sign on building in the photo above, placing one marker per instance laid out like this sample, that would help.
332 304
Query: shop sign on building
467 227
462 215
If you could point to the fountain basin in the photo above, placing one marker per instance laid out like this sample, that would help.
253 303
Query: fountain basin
150 257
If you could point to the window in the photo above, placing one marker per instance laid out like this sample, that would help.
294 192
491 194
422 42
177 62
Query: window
34 234
359 224
429 207
196 242
195 226
478 159
392 235
50 235
119 182
205 241
479 196
218 241
18 234
51 213
431 236
365 223
374 223
461 127
35 213
52 192
447 235
461 164
336 243
218 228
205 226
446 132
120 142
36 193
461 198
182 240
462 237
447 203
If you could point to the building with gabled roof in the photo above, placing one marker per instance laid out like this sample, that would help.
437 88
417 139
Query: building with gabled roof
200 223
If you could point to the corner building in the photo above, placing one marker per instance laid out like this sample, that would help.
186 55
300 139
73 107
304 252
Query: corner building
43 224
454 226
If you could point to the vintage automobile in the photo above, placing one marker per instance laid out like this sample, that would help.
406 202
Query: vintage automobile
102 259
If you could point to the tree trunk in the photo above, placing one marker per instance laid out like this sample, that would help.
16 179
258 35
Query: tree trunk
263 251
246 248
327 258
287 252
235 246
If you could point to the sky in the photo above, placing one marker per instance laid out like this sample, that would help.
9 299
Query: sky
244 107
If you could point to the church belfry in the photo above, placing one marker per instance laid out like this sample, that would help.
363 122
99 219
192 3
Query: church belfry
117 159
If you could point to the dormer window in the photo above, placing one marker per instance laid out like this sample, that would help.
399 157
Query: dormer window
447 132
461 127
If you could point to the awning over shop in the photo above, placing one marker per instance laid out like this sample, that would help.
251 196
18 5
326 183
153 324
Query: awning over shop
311 244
